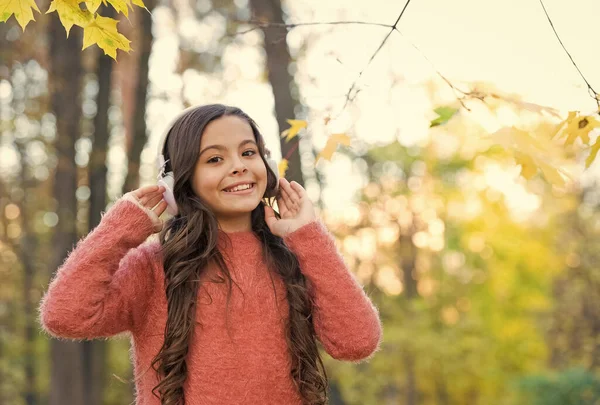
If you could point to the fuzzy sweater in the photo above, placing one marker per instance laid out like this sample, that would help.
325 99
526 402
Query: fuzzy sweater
113 282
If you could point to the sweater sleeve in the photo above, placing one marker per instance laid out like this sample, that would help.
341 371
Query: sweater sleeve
346 321
102 287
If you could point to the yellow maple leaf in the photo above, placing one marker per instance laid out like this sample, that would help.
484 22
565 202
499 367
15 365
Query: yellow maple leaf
528 167
103 32
593 153
332 143
579 126
140 3
121 6
22 10
296 126
532 154
513 138
70 14
92 5
553 174
282 166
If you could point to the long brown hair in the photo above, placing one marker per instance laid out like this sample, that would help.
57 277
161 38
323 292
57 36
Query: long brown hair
189 242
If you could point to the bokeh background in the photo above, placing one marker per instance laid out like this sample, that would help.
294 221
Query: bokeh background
486 280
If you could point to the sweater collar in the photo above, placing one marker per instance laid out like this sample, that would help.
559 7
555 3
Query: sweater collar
240 241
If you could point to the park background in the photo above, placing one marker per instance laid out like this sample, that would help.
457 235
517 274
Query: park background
427 134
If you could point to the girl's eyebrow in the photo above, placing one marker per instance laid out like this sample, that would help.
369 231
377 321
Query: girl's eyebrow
221 147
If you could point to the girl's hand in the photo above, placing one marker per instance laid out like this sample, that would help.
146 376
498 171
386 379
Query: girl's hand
150 199
295 208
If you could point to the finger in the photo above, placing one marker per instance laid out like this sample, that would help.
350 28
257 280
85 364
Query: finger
289 201
140 192
151 196
301 191
291 193
292 208
160 208
154 200
283 208
269 214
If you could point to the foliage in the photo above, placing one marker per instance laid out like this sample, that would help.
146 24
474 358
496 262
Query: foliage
483 277
96 28
575 386
541 149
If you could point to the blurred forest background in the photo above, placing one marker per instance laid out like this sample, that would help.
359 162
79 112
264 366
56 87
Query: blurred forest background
481 257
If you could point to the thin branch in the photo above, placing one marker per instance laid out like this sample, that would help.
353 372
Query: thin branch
593 92
392 29
267 24
350 96
259 24
454 88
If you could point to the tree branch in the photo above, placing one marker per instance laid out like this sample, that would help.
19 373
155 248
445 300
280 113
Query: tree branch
350 96
392 29
592 92
266 24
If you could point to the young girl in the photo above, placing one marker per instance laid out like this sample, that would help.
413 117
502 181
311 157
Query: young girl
226 307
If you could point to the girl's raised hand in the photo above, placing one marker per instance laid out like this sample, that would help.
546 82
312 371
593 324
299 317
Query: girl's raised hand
150 199
295 209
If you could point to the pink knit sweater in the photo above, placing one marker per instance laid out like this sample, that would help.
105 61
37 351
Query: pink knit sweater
113 282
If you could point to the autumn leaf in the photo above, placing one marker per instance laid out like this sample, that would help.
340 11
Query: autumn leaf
140 3
22 10
103 31
70 14
92 5
532 154
518 140
444 113
552 174
121 6
282 166
532 107
331 146
579 127
296 126
528 166
593 153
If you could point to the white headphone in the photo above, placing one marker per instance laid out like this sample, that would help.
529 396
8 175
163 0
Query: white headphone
167 179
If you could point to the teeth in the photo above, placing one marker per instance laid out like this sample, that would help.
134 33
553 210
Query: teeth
239 188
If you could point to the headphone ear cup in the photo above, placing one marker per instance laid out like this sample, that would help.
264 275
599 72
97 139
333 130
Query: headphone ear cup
273 165
168 182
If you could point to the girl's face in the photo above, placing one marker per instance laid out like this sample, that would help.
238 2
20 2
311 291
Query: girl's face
229 155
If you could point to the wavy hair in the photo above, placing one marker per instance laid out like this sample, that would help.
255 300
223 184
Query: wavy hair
189 242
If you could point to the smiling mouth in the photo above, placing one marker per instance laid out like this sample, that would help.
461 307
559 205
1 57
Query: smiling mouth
244 191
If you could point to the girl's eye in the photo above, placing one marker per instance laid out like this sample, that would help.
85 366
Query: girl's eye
212 160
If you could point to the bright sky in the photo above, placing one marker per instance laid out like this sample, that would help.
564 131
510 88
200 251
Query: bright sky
509 43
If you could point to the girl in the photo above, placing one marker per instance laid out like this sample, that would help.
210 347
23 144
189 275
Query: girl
226 307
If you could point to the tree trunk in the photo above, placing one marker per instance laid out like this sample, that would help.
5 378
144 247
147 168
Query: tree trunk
65 73
574 323
94 352
27 251
139 135
408 257
278 62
